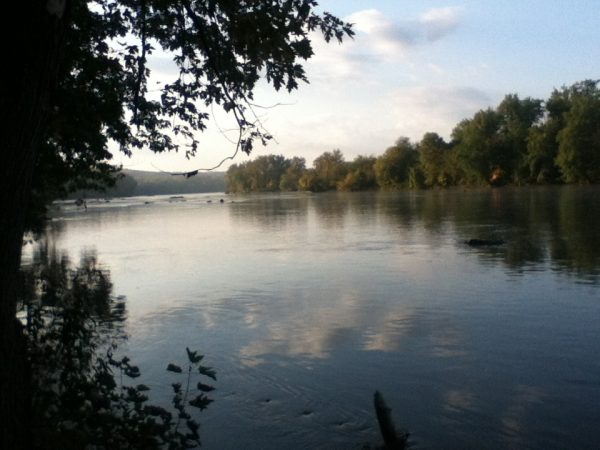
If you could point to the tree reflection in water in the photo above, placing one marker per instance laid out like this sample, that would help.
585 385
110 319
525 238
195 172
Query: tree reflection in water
51 286
80 391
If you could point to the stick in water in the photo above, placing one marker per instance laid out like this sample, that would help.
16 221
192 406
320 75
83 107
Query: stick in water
386 425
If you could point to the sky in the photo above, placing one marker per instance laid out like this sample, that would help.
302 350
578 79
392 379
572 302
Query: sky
414 66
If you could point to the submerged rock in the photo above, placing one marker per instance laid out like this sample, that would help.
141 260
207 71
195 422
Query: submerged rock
484 242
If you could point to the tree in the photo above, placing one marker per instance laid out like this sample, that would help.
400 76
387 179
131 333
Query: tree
310 181
481 151
516 118
237 178
393 168
290 179
79 79
542 148
265 172
543 141
579 141
330 168
360 176
434 160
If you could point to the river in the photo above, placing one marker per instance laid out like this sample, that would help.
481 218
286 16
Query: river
306 304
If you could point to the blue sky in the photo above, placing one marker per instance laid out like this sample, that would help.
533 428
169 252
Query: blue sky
414 66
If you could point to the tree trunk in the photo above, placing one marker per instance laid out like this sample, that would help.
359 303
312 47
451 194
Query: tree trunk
32 54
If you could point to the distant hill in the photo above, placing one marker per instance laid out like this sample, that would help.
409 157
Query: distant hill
138 182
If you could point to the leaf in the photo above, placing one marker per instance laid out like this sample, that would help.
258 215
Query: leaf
208 372
154 410
193 357
132 371
106 379
205 387
174 368
142 387
201 402
193 425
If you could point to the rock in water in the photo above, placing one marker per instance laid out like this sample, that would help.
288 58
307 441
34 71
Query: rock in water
484 242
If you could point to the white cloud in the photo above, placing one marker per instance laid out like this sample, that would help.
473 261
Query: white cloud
354 101
368 124
392 38
379 39
438 22
380 34
333 61
436 69
419 109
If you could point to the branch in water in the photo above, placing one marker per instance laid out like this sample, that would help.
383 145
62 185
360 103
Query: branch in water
392 440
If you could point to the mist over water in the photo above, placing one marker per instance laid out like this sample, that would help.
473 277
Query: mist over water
306 304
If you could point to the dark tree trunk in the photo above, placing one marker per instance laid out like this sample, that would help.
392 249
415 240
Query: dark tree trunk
32 55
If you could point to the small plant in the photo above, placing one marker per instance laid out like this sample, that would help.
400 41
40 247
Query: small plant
181 395
82 393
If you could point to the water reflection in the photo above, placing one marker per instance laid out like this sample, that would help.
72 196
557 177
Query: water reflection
386 334
540 225
50 282
308 303
312 329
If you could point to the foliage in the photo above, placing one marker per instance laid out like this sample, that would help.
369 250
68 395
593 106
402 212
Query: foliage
519 141
542 148
479 146
220 50
275 173
579 141
360 175
393 168
330 168
516 119
542 144
80 398
435 160
310 181
261 174
289 181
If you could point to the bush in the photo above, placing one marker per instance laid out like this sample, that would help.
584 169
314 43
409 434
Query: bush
83 396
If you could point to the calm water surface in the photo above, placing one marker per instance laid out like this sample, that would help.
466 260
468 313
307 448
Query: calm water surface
306 304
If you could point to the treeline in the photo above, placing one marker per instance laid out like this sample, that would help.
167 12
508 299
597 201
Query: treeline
521 141
137 182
